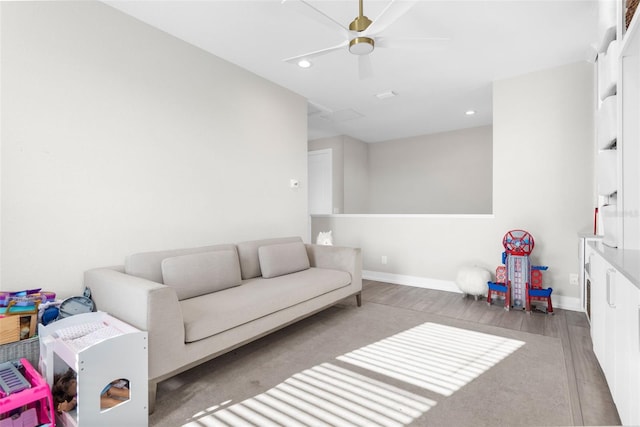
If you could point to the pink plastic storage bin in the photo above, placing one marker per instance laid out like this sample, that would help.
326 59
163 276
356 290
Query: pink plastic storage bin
37 397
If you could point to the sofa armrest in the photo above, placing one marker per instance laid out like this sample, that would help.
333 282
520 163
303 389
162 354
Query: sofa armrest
146 305
337 258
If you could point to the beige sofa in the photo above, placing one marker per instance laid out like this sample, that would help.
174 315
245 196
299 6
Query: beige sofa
199 303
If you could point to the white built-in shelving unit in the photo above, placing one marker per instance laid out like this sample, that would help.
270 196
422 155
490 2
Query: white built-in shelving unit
612 265
618 127
607 153
629 131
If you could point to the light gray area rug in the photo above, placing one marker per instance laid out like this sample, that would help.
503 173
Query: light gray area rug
376 365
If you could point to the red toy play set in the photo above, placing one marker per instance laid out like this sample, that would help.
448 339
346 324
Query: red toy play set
517 280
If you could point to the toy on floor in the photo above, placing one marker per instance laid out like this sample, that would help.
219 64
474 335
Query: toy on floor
517 280
26 298
500 287
473 281
65 392
25 397
535 291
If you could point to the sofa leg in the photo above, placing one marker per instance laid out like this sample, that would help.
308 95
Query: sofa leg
359 299
153 388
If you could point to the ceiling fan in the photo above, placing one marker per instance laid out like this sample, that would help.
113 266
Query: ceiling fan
363 35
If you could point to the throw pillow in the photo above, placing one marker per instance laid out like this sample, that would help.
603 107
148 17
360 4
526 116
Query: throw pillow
202 273
281 259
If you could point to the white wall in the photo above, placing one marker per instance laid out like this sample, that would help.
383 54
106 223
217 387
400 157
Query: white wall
542 182
442 173
448 172
356 175
119 138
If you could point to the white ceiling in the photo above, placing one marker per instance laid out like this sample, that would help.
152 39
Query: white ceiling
487 41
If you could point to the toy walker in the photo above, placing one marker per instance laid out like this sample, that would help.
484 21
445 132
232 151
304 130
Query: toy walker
517 280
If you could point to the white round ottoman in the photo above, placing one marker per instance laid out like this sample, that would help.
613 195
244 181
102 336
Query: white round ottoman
473 281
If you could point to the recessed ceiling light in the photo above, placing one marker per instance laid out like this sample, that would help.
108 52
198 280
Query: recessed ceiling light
470 112
303 63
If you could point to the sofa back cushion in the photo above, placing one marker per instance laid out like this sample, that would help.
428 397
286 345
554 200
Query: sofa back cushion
248 254
283 258
148 265
202 273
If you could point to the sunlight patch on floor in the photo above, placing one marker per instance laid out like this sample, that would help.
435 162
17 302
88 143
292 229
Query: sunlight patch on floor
435 357
325 395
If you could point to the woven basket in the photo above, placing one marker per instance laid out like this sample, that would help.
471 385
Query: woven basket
29 349
632 5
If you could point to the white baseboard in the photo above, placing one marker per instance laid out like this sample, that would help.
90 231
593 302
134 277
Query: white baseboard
567 303
559 301
418 282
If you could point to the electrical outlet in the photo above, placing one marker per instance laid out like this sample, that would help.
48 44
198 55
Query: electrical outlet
383 260
573 279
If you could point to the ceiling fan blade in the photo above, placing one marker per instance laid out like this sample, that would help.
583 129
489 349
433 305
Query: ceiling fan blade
365 69
417 43
317 53
307 9
392 12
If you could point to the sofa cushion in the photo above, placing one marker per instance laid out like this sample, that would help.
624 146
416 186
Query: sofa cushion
148 265
217 312
283 258
197 274
248 254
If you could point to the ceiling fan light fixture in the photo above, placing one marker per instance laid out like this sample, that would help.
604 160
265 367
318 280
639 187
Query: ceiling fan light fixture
361 45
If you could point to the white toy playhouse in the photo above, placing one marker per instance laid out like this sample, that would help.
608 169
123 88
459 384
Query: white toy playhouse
100 349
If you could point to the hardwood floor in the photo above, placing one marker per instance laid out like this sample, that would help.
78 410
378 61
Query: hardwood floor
589 394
